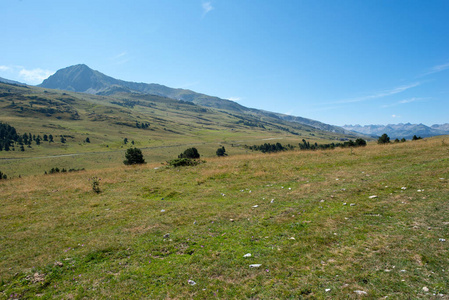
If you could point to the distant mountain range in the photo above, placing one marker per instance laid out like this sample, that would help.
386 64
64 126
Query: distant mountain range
81 78
401 130
4 80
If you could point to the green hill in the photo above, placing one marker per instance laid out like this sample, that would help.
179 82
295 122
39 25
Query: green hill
161 126
81 78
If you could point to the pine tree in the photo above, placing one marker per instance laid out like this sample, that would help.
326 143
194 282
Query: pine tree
221 151
133 156
384 139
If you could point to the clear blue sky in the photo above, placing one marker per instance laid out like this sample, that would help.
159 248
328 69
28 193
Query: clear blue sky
336 61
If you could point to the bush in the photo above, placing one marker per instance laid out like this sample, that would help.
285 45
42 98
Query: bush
95 183
190 153
180 162
3 176
221 152
133 156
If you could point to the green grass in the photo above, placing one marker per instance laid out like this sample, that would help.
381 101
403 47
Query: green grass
112 245
174 126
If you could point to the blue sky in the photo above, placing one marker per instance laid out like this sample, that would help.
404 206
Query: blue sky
339 62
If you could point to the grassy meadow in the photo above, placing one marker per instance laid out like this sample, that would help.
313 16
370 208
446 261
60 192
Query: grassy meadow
338 224
107 121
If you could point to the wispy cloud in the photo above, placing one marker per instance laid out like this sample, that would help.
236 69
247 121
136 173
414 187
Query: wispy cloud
120 58
34 76
4 68
380 94
436 69
235 99
207 7
395 116
405 101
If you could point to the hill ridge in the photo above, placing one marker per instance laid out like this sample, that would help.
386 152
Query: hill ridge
81 78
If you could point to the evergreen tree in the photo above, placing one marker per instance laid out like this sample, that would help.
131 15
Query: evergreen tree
384 139
50 138
360 142
221 151
190 153
133 156
45 138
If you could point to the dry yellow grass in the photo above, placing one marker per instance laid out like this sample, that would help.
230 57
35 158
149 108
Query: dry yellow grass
114 239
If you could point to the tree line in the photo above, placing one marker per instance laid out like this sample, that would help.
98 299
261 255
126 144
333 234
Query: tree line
305 145
10 138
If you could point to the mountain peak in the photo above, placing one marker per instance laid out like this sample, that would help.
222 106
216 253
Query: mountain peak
78 78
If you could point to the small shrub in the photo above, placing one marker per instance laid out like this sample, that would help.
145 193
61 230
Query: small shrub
95 183
3 176
180 162
221 151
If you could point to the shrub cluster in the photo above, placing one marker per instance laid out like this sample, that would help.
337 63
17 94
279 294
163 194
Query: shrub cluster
189 157
307 146
63 170
269 148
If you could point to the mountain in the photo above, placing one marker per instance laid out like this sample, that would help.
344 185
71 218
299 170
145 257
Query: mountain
4 80
81 78
400 130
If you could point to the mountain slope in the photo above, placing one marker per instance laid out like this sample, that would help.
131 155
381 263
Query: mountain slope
400 130
81 78
4 80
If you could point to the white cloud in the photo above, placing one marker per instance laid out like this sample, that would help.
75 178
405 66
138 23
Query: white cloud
436 69
405 101
34 76
207 7
120 55
395 116
120 58
235 99
381 94
4 68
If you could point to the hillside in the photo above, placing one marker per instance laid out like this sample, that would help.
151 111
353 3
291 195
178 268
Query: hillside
81 78
338 224
4 80
161 126
400 130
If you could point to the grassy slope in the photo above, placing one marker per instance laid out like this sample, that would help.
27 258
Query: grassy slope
112 245
173 126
